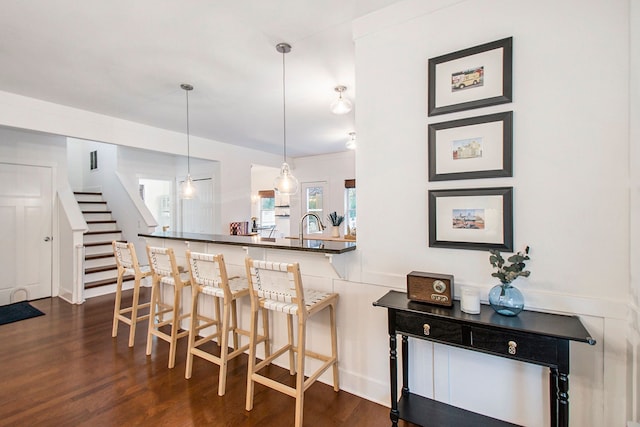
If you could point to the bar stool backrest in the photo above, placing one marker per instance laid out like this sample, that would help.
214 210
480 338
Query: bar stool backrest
125 254
207 269
278 283
163 261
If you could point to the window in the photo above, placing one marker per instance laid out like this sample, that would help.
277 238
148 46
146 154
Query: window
267 208
350 203
313 202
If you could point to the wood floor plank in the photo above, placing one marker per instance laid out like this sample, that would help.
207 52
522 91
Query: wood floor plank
65 369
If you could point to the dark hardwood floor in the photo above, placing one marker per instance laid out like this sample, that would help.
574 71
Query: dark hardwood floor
64 369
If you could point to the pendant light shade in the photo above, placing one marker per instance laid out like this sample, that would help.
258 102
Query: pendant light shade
285 184
351 144
187 190
341 105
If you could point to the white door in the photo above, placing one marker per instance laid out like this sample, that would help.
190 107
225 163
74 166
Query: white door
25 232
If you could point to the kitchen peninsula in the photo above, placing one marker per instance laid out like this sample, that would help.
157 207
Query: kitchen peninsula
311 254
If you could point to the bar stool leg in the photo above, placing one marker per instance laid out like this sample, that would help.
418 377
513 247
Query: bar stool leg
134 310
300 377
174 327
292 363
192 330
152 314
334 346
224 349
265 332
116 309
251 365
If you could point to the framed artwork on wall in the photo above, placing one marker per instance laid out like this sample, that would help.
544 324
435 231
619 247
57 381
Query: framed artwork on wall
476 147
478 219
471 78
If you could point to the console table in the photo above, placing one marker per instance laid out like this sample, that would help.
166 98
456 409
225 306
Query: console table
539 338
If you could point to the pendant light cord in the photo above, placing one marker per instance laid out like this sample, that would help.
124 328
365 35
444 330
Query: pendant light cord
284 110
188 142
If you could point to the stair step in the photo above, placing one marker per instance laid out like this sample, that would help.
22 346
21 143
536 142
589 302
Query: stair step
98 256
104 282
95 212
92 206
104 225
92 233
90 244
88 193
100 269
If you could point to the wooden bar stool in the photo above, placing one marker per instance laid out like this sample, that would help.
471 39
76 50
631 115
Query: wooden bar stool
127 263
165 271
278 287
209 277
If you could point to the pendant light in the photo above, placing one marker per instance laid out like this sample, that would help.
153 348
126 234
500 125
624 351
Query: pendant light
285 184
351 144
341 105
188 190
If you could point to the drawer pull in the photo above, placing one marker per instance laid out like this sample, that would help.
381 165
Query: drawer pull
427 329
512 347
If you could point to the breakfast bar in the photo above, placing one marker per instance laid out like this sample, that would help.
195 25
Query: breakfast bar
321 258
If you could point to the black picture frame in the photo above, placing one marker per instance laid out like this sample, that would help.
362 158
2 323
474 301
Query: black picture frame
447 231
498 89
496 153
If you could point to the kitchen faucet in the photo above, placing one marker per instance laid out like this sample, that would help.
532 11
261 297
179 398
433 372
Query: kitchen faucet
320 224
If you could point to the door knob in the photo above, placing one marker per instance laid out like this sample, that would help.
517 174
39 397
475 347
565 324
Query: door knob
47 239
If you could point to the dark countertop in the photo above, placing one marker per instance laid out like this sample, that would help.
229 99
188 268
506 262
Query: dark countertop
319 246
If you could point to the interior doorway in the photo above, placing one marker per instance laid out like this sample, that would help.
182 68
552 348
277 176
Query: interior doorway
26 240
158 196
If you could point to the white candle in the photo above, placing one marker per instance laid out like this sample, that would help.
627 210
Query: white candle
470 301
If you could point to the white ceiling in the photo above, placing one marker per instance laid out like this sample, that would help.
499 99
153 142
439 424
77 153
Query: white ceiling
127 58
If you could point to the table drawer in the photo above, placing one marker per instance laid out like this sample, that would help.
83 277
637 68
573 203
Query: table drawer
534 348
429 328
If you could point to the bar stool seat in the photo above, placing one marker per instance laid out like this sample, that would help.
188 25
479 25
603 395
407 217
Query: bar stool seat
278 287
165 271
127 264
209 277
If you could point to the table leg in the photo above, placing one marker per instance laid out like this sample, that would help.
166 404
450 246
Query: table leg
559 398
405 365
393 368
553 396
563 399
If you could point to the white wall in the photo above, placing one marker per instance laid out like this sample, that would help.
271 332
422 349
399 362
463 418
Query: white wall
571 204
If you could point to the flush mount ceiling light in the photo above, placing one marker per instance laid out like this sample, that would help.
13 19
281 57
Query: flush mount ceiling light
341 105
285 184
188 190
351 144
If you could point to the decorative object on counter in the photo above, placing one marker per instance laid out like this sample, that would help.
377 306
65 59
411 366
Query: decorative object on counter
335 221
188 190
285 183
504 298
240 228
470 301
341 105
471 78
254 224
432 288
351 143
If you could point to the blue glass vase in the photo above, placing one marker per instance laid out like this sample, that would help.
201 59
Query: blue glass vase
506 300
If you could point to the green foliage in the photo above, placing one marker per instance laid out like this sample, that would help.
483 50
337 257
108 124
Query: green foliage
507 273
335 219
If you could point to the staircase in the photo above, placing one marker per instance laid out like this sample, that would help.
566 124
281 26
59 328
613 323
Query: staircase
100 270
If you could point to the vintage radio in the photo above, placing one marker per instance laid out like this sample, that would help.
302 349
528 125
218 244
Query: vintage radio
431 288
